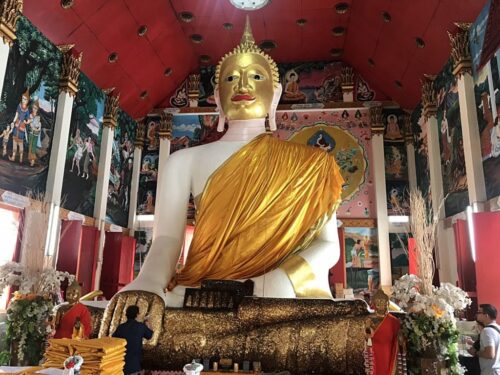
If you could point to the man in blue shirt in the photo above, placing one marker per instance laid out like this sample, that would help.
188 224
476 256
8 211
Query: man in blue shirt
133 331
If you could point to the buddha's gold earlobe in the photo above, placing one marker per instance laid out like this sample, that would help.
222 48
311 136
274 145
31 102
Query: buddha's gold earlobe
274 106
222 117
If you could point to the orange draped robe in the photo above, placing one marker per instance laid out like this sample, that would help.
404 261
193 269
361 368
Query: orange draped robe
385 346
65 329
263 205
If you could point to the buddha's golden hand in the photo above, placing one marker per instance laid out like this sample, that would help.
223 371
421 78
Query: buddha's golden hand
150 306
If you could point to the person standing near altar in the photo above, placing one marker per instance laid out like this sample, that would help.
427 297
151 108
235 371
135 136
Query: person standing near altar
489 339
74 312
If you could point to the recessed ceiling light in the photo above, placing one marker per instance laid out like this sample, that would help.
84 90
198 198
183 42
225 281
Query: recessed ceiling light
336 52
371 62
196 38
386 16
66 4
143 95
249 4
113 57
338 31
301 21
227 25
186 17
205 59
398 84
267 45
420 42
341 8
167 72
142 30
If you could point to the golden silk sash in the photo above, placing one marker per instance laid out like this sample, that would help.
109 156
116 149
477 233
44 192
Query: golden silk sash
264 204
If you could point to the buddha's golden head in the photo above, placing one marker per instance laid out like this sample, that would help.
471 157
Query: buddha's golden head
247 81
380 302
73 292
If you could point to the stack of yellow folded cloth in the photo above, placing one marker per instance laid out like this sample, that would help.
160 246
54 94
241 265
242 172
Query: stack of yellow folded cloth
100 356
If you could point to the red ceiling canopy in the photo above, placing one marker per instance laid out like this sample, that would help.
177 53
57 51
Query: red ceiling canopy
384 31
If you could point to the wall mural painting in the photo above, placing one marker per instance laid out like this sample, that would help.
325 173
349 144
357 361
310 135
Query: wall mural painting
419 128
393 123
27 111
396 165
487 93
451 142
361 257
82 157
146 198
311 82
120 177
398 243
346 134
398 198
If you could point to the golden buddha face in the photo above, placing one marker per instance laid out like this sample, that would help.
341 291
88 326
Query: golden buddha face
73 293
245 86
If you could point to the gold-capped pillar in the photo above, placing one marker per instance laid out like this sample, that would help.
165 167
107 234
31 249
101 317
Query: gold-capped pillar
347 77
136 170
410 152
445 259
68 87
110 121
194 89
462 69
165 133
377 136
10 11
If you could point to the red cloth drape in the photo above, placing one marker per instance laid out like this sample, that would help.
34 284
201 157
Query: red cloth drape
385 345
465 263
65 329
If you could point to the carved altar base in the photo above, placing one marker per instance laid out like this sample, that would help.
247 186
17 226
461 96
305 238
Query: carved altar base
301 336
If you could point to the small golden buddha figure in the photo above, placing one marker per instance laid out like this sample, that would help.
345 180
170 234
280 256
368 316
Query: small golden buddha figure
72 314
382 334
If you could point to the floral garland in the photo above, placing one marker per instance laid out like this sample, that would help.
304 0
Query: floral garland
430 326
31 307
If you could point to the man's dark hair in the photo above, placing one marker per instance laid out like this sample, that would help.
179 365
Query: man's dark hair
489 310
132 312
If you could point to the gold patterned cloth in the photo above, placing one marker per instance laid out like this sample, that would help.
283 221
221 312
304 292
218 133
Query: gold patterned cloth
264 204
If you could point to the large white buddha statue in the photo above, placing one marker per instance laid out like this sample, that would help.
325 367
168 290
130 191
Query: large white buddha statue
265 207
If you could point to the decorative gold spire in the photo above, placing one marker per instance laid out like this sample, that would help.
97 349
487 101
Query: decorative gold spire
10 10
140 132
247 45
111 107
460 51
376 123
165 130
429 103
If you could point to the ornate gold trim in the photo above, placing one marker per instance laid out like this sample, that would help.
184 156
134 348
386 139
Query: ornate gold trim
350 223
111 107
165 130
347 78
193 89
10 11
460 52
70 69
429 102
376 123
140 132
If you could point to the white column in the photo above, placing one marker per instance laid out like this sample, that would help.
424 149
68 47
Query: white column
101 192
4 57
436 184
165 134
384 251
472 140
412 169
134 188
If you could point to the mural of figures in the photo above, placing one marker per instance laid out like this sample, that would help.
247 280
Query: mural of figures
398 199
393 126
149 168
27 111
419 128
451 142
345 131
120 177
396 166
311 82
487 93
398 243
82 157
361 256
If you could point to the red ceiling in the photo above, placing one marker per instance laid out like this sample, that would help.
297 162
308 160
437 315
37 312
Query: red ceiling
99 27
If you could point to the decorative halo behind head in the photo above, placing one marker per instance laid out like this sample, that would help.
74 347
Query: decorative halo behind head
247 45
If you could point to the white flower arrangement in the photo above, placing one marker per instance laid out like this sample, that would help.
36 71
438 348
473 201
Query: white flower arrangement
45 282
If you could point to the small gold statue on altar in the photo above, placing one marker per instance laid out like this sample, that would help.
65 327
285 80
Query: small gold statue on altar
382 340
71 314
